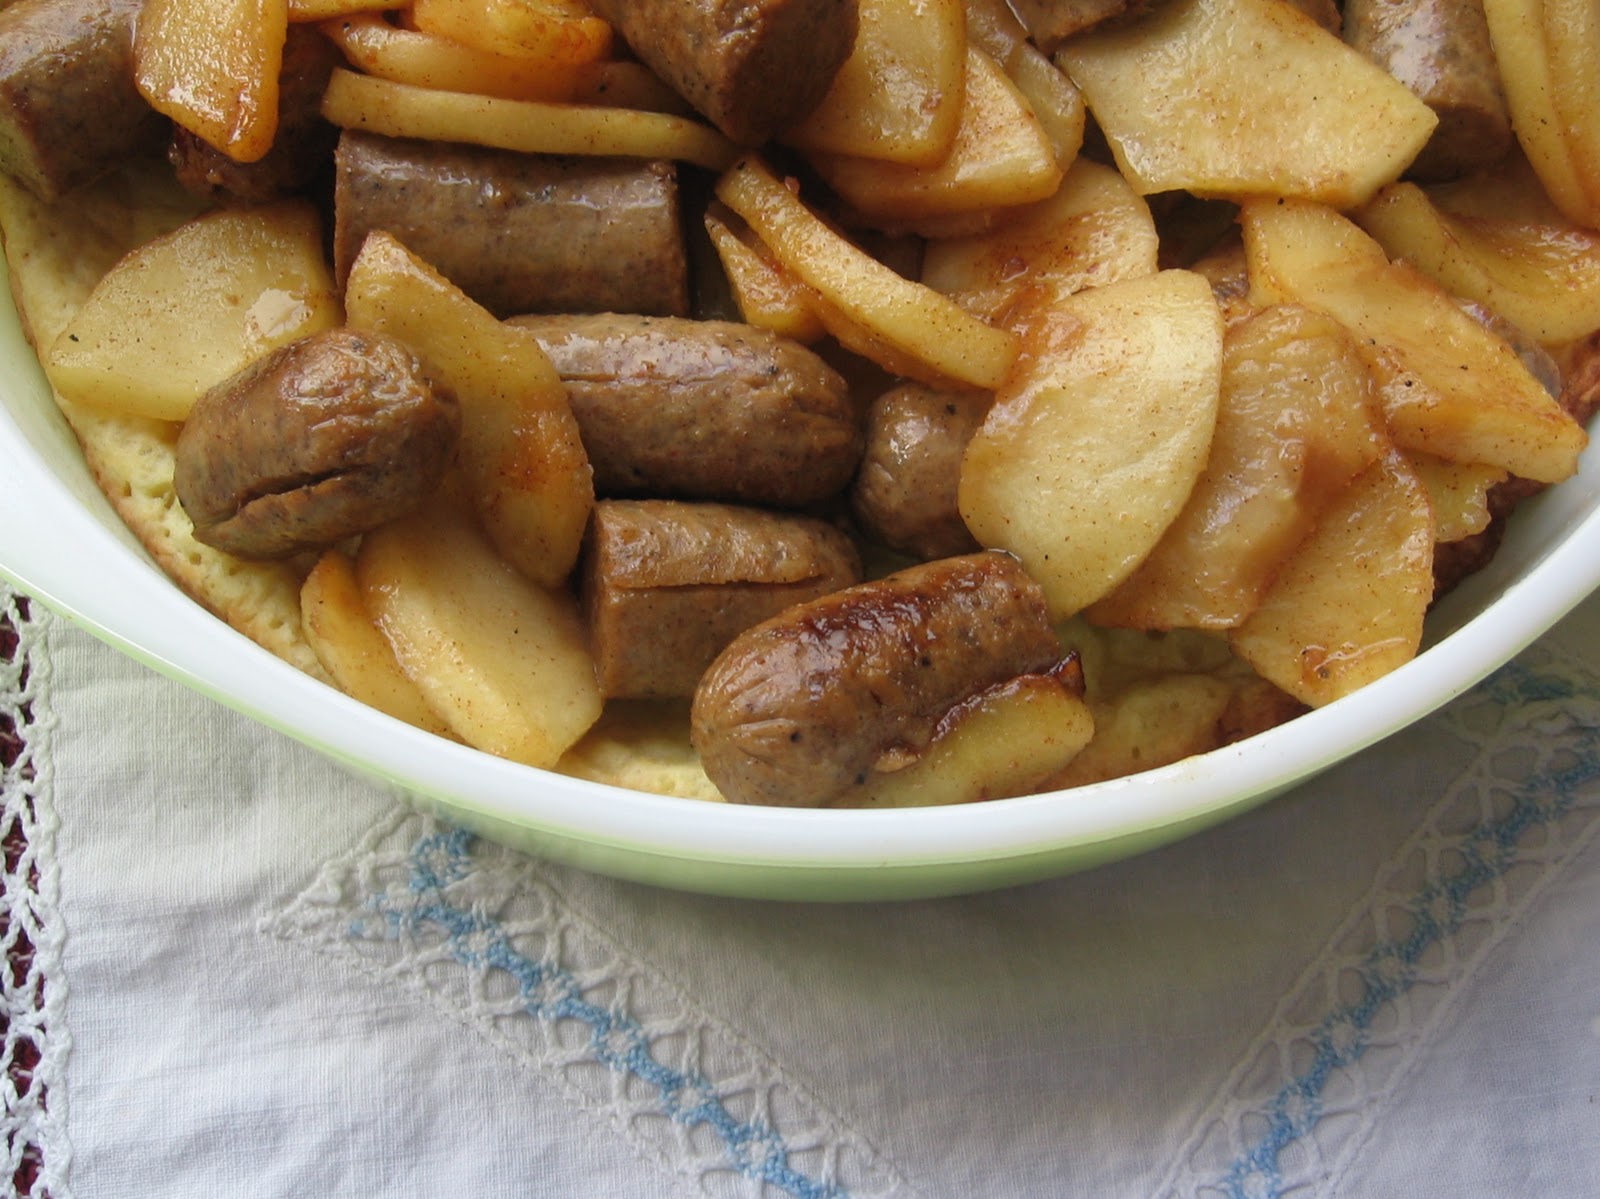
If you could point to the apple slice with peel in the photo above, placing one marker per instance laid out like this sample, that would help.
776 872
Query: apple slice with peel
1348 605
502 660
1092 447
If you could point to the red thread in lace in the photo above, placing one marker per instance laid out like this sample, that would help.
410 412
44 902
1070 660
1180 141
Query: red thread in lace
24 1055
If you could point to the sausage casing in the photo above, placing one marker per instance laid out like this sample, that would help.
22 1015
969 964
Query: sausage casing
667 584
703 409
1440 50
519 232
328 436
69 110
752 67
905 492
802 706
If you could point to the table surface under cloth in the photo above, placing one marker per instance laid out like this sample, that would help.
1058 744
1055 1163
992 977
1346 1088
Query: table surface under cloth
238 971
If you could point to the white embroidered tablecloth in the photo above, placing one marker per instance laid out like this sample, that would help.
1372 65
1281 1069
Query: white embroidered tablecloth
239 972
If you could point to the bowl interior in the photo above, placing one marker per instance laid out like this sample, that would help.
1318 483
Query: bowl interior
62 543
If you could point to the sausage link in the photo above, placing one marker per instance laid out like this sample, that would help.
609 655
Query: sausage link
703 409
326 437
667 584
905 492
752 67
806 704
519 232
1440 50
69 110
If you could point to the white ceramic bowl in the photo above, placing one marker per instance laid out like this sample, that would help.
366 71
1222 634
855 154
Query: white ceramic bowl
61 543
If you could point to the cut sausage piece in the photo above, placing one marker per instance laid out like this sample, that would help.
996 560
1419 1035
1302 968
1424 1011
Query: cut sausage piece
1440 50
703 409
519 232
804 705
752 67
667 584
905 491
69 110
301 148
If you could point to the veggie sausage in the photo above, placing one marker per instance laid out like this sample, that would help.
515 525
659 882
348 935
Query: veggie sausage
667 584
703 409
329 436
69 110
1440 50
519 232
802 706
752 67
905 492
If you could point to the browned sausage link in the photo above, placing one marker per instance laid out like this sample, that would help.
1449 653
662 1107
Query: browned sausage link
301 150
692 409
667 584
905 492
752 67
69 110
519 232
1440 50
804 705
329 436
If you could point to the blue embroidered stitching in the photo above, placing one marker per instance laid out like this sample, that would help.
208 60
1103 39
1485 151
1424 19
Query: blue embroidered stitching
550 992
1388 969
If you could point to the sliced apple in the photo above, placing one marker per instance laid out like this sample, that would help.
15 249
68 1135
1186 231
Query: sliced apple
1095 230
521 453
1297 421
1348 606
1517 32
502 660
393 109
553 32
1543 277
898 96
378 47
863 302
1004 741
999 158
1459 493
356 656
767 298
994 28
1449 386
1093 446
1236 98
213 66
1572 40
189 309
